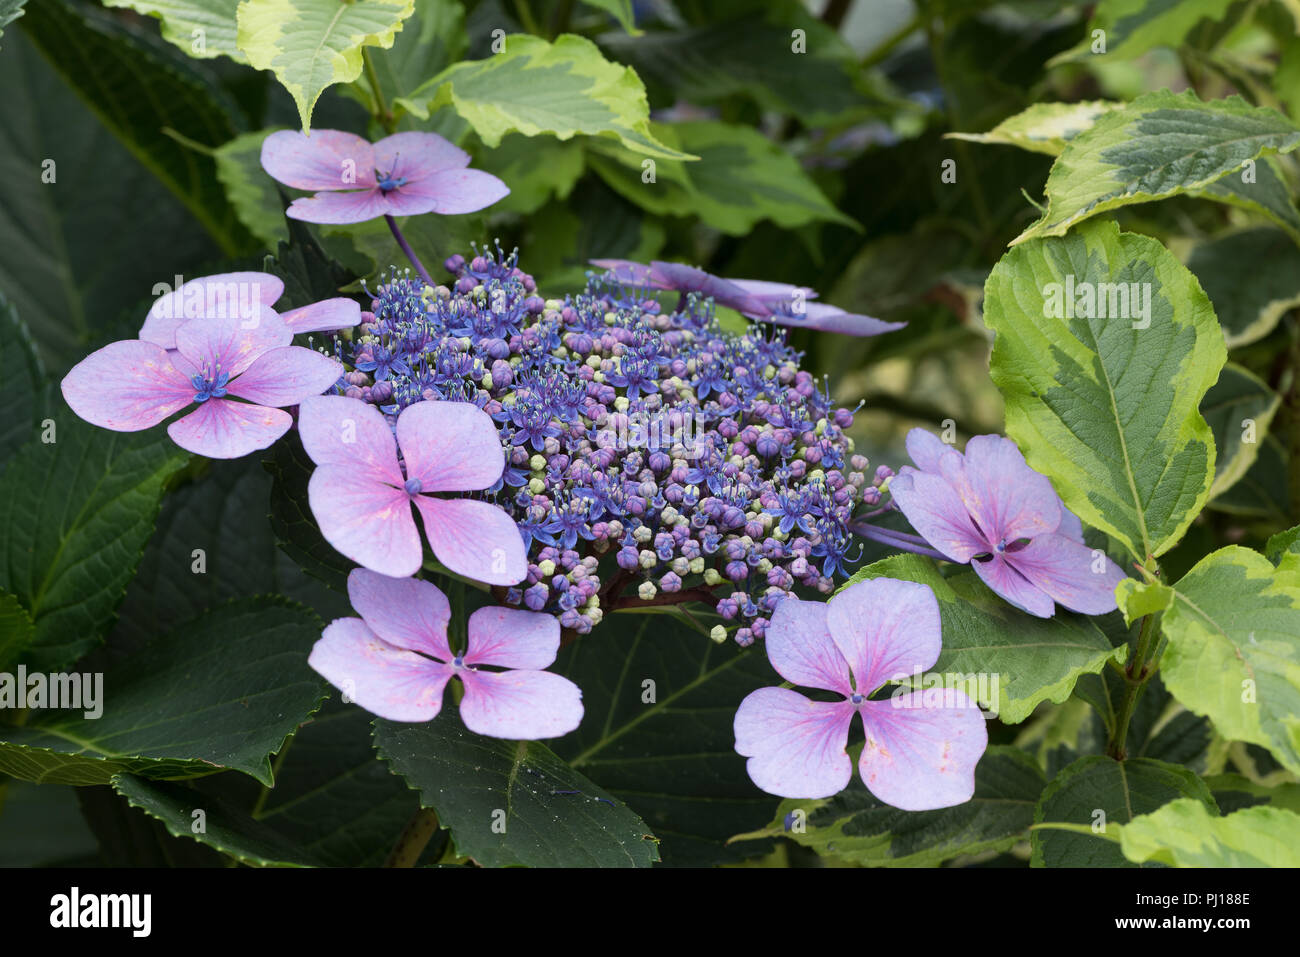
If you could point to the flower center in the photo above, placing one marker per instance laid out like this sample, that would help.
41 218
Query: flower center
857 698
388 182
413 486
209 384
458 662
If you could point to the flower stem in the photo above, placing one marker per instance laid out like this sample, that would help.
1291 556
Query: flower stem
382 113
1136 675
703 594
413 840
900 540
406 248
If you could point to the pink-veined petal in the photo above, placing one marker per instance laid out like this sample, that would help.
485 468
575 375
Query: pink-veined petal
448 193
385 680
417 155
887 629
520 705
126 386
230 344
340 209
512 638
324 316
921 748
693 279
827 318
474 539
935 511
1070 525
800 647
209 297
1069 573
337 430
1014 587
286 376
450 446
327 159
795 746
925 449
221 429
1009 499
406 612
366 520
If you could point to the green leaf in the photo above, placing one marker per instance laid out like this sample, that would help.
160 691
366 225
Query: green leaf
1132 27
311 44
1138 599
17 630
22 390
1106 410
1232 792
10 10
1264 490
1098 793
1160 145
308 271
511 803
594 223
856 828
533 87
741 178
253 195
291 517
1239 409
1248 300
1033 659
1043 127
1234 649
1185 834
74 517
432 39
620 10
117 73
1282 545
202 28
536 169
42 826
660 702
222 692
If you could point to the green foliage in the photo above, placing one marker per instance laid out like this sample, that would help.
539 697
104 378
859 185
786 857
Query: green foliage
1184 834
202 28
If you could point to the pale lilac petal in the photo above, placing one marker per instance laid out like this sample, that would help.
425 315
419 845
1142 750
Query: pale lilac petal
826 318
324 316
221 429
337 430
417 156
474 539
629 273
327 159
886 629
385 680
922 748
340 209
448 193
520 705
723 291
1069 573
925 449
126 386
1010 584
209 297
777 295
1009 499
800 647
405 612
286 376
795 746
935 511
230 344
450 446
1070 525
365 520
512 638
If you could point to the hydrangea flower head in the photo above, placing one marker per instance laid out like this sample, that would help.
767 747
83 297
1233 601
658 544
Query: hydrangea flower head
989 508
401 175
921 746
395 661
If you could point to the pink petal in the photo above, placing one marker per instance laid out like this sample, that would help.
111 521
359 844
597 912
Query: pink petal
800 647
887 629
935 511
417 156
230 343
474 539
222 429
922 748
327 159
1068 572
450 446
448 193
406 612
336 430
926 448
827 318
286 376
520 705
356 206
385 680
795 746
777 295
724 291
512 638
324 316
1070 525
366 520
126 386
1009 499
209 297
1010 584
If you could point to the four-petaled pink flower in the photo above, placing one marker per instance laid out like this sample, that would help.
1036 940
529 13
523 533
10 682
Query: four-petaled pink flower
395 661
133 384
921 746
401 175
991 509
362 499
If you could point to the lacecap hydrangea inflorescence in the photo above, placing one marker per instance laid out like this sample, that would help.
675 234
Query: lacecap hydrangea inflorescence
651 456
